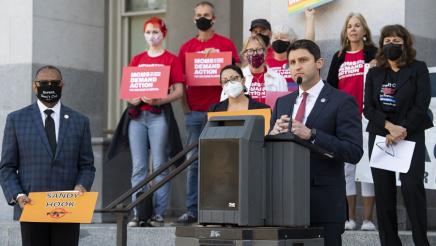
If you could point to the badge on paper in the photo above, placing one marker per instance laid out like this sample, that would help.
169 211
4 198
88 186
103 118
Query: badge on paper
60 207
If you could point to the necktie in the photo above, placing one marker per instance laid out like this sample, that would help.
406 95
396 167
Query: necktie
300 113
50 130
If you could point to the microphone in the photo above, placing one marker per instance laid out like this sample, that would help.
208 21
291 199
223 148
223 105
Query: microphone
299 80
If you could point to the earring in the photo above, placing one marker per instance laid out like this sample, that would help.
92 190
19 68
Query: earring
364 38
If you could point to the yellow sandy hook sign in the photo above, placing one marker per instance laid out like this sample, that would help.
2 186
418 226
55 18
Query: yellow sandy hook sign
60 207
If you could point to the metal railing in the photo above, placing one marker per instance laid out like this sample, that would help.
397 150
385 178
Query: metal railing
122 210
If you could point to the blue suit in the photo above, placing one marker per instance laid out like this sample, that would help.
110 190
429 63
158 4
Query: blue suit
336 118
27 162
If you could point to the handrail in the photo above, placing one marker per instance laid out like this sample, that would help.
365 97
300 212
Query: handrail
153 175
122 211
152 189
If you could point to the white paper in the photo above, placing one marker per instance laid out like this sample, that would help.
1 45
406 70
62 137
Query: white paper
396 157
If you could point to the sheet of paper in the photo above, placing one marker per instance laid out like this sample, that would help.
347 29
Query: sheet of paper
396 157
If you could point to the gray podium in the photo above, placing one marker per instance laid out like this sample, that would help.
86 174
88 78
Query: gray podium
231 171
247 179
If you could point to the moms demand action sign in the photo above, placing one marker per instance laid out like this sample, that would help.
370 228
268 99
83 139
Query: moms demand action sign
204 70
151 82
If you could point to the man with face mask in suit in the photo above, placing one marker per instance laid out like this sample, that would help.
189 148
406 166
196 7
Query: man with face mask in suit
46 147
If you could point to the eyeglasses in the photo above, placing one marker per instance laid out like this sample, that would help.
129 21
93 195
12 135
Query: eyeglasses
47 82
233 78
254 51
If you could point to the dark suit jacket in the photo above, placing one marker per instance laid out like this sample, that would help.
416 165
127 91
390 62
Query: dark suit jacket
413 95
223 106
335 116
27 162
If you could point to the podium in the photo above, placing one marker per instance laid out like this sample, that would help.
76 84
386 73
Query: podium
247 179
231 171
288 181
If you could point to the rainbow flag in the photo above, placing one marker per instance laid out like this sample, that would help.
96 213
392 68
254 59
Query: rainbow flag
298 6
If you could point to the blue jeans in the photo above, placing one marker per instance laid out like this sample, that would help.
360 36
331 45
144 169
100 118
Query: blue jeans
149 131
195 122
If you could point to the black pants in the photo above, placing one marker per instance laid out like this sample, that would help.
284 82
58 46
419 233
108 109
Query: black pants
50 234
332 233
412 188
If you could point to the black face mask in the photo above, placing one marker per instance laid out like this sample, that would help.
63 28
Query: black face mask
280 46
393 51
203 23
265 39
49 93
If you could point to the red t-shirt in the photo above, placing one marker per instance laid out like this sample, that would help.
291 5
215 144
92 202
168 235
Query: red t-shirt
257 87
351 76
282 68
269 53
168 59
201 97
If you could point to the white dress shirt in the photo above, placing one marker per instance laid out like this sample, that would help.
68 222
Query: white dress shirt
55 115
310 100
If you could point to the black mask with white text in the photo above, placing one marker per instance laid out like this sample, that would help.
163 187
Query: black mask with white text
49 93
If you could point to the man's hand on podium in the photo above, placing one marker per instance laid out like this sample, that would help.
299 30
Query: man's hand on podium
300 130
281 125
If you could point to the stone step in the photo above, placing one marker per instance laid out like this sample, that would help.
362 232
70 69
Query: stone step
105 235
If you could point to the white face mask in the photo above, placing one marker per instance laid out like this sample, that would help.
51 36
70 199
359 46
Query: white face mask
233 88
153 39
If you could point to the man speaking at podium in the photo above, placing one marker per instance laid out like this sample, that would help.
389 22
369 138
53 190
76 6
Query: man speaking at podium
46 147
326 117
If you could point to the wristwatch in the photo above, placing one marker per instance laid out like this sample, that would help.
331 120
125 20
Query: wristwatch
312 135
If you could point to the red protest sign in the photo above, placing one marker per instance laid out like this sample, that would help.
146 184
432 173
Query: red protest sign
204 70
150 81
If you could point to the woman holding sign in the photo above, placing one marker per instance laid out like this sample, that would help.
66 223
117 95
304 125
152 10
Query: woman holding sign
258 77
347 74
397 98
233 83
152 120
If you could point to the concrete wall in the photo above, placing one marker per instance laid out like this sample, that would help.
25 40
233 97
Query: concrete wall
15 65
420 20
70 34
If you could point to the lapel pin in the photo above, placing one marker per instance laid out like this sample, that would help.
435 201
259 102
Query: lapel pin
66 116
323 100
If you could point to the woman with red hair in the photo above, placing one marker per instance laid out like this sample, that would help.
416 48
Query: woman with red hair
151 127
